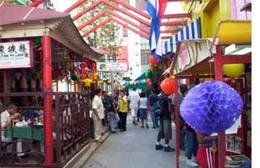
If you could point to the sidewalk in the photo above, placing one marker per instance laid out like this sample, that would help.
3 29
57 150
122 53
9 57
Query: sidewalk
134 148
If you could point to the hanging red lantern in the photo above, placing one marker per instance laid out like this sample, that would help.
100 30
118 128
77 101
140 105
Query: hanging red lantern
83 71
83 65
83 76
169 85
152 60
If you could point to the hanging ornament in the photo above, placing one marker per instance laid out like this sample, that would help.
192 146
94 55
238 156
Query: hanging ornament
94 75
87 82
83 76
233 70
83 65
38 41
169 85
152 60
83 71
211 107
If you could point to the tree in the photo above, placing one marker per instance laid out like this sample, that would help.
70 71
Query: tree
106 37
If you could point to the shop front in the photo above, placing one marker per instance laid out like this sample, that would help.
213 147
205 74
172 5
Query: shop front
209 59
41 51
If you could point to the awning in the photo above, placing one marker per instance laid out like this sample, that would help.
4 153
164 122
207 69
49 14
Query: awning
191 31
141 84
145 75
233 31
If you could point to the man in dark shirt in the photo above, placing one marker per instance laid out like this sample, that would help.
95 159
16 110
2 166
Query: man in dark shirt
153 99
165 129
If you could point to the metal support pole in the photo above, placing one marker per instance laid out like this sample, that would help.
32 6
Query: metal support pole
47 100
177 122
221 136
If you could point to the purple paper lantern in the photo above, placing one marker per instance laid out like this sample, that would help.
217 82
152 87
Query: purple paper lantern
211 107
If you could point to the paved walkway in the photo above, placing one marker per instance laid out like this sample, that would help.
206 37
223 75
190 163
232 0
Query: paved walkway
134 148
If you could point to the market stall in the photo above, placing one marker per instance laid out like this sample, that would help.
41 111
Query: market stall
206 59
41 51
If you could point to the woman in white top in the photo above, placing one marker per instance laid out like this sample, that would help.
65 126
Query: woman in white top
143 102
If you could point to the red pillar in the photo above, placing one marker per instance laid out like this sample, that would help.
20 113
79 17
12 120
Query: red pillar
47 100
177 122
221 136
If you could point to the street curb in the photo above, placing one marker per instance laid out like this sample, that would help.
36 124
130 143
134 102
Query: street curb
80 159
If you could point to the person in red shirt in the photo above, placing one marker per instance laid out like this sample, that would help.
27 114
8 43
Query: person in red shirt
207 155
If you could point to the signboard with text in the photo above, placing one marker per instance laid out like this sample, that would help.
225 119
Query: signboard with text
112 66
16 54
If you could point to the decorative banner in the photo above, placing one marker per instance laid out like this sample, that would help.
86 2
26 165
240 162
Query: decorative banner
192 52
112 66
16 54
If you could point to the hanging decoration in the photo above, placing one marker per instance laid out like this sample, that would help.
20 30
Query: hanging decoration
87 82
38 41
169 85
94 75
211 107
152 60
233 70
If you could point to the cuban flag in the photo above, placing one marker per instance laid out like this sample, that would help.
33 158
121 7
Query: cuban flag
155 8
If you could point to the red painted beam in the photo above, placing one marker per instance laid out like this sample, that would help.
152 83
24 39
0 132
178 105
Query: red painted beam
75 5
235 59
132 29
175 23
170 31
177 15
98 26
145 35
129 22
114 7
221 135
136 10
95 4
98 15
126 13
36 3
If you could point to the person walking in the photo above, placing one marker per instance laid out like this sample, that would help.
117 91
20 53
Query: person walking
111 112
134 100
122 107
143 102
165 127
152 101
98 114
188 135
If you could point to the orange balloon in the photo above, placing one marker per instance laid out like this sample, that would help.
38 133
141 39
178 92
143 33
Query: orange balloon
169 85
152 60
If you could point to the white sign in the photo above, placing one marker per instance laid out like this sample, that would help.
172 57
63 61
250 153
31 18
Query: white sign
16 54
112 66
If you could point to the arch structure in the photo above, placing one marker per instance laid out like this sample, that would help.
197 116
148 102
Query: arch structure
119 12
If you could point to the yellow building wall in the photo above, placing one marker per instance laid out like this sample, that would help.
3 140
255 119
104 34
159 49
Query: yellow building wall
211 13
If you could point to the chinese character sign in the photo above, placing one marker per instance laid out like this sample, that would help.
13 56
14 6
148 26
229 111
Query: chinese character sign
16 54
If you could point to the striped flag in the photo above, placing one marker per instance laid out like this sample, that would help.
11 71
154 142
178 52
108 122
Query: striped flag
155 8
